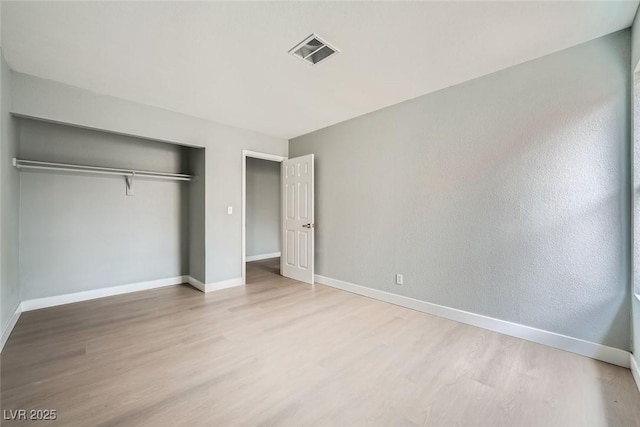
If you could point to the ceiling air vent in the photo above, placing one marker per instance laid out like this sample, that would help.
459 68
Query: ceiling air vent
313 50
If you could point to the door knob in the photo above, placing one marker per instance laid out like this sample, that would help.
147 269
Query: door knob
308 225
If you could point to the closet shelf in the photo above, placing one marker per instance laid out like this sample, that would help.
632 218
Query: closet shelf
63 167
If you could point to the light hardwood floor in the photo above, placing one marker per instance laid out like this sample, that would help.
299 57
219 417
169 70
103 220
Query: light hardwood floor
278 352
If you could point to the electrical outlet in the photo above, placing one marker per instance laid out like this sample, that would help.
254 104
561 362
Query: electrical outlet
229 210
399 279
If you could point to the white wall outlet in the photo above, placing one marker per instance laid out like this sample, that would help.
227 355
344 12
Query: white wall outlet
399 279
229 210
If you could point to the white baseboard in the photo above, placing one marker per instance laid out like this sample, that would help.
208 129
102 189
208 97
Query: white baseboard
196 284
635 371
263 256
215 286
224 284
35 304
601 352
12 323
38 303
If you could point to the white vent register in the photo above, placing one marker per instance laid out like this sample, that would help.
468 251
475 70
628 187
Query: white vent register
313 49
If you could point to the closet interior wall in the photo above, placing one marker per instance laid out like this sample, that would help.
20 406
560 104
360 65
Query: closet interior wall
81 232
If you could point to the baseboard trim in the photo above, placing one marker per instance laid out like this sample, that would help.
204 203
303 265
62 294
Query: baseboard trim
635 371
36 304
601 352
215 286
196 284
224 284
9 328
39 303
263 256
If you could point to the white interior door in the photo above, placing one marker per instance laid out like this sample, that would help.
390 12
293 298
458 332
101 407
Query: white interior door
297 257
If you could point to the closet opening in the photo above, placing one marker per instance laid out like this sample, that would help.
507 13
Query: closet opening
100 211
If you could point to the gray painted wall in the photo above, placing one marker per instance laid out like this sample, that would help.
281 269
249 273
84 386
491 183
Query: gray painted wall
635 191
80 232
263 207
9 202
504 196
48 100
635 44
197 215
3 322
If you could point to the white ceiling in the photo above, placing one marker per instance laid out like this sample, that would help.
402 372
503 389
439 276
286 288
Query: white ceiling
228 62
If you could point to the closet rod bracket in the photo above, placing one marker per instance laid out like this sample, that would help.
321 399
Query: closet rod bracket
129 183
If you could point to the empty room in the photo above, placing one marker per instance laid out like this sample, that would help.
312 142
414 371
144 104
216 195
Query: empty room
320 213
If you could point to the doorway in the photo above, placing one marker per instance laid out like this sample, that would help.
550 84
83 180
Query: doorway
261 213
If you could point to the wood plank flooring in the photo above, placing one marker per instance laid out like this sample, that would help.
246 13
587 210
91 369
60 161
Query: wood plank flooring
281 353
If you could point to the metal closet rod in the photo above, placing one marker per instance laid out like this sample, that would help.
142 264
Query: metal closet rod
63 167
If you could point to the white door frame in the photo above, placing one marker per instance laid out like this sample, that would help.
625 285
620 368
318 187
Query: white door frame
255 155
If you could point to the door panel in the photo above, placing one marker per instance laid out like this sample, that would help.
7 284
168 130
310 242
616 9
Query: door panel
297 221
303 197
290 244
290 201
303 241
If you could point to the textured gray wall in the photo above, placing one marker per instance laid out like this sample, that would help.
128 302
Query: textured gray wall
81 232
635 44
197 215
504 196
3 321
635 190
263 207
9 203
48 100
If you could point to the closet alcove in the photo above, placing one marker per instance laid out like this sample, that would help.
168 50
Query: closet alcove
99 209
